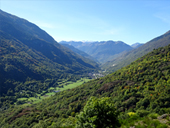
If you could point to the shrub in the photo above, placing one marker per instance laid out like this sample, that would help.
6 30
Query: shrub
162 126
131 114
153 115
98 113
142 113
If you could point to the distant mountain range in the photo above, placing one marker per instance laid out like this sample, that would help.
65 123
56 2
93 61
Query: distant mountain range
136 45
79 51
27 53
126 58
102 51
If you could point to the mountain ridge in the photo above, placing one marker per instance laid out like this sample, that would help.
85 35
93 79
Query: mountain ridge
141 87
26 58
101 50
30 28
79 51
40 43
128 57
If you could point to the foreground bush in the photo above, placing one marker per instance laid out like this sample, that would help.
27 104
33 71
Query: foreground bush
98 113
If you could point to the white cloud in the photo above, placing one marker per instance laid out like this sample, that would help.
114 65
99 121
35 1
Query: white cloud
112 31
42 24
164 17
47 25
161 9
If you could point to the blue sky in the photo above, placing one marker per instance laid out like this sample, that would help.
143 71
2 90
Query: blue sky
129 21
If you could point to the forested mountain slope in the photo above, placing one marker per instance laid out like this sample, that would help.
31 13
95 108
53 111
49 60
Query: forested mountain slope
143 85
79 51
11 23
35 38
128 57
31 61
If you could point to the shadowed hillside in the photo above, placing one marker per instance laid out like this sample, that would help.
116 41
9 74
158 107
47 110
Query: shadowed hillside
128 57
31 61
141 87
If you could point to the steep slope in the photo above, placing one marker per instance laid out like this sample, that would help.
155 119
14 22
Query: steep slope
19 62
18 26
102 51
35 38
143 85
29 64
128 57
78 51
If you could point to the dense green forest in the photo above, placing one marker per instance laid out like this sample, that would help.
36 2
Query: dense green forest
25 72
31 61
140 89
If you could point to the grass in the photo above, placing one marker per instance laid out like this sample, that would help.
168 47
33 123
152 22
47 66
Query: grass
64 85
70 85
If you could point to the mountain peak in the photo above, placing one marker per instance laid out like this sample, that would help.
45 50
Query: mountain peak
135 45
23 25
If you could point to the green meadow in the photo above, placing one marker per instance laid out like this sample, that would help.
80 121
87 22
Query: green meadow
64 85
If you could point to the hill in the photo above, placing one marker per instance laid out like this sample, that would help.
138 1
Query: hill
141 87
126 58
35 38
78 51
31 61
102 51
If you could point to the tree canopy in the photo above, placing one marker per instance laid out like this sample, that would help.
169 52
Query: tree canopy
98 113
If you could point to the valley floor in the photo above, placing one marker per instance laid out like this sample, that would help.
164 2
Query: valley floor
64 85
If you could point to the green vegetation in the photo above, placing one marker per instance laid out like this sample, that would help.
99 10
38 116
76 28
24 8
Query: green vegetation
70 85
32 67
64 85
141 88
31 61
143 121
98 113
124 59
